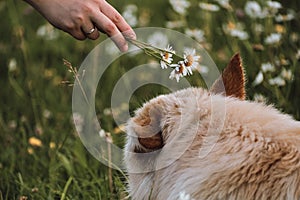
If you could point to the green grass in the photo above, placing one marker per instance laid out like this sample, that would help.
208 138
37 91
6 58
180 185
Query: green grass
35 103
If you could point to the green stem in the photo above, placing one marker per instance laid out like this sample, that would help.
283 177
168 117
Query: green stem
63 196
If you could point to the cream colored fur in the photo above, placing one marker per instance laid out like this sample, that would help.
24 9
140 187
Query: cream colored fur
214 147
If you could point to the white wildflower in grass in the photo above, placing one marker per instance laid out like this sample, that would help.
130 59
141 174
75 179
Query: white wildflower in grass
129 14
273 38
258 79
287 17
209 7
158 39
254 10
267 67
196 33
277 81
12 65
47 114
180 6
273 6
191 60
175 24
235 30
166 57
224 3
287 74
240 34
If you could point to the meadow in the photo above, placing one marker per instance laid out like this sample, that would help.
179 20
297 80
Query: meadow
41 155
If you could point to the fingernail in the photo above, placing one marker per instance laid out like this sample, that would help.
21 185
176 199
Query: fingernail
124 48
130 35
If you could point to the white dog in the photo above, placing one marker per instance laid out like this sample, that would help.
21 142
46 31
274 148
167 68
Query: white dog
213 145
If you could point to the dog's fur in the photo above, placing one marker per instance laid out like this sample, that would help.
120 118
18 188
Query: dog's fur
213 145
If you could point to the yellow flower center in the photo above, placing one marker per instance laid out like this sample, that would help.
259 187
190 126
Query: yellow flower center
180 69
189 60
166 55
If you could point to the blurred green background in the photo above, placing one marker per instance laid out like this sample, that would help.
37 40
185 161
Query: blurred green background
42 157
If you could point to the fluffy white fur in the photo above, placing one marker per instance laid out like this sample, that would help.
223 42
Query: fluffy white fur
214 147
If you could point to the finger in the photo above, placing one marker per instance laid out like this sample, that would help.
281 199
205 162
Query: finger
78 34
103 23
91 33
117 19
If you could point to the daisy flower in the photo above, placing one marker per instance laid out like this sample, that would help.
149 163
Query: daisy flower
283 18
258 79
180 6
278 81
273 38
267 67
166 57
287 74
209 7
254 10
191 60
274 4
198 34
179 71
235 30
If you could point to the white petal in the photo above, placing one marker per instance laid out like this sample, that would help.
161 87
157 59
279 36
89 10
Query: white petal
259 79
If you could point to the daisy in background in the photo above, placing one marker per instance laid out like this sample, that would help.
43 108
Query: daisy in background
166 57
287 17
209 7
267 67
273 38
235 30
180 6
225 4
191 60
273 7
254 10
196 33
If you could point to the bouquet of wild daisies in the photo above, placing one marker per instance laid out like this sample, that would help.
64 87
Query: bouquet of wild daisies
184 66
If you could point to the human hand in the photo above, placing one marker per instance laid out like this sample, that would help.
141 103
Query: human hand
83 19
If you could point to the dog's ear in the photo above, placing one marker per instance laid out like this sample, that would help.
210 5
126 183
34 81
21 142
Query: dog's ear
232 79
147 126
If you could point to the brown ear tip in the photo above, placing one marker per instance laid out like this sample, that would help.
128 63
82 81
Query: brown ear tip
236 58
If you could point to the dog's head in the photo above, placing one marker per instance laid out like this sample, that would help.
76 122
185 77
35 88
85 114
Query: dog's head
153 125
